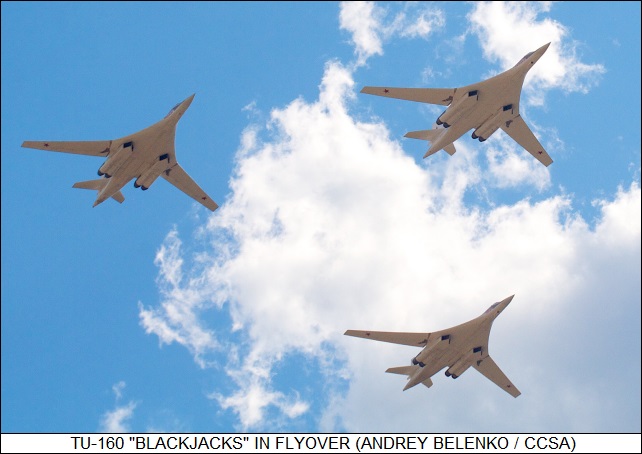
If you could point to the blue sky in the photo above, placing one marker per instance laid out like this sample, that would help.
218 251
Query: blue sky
157 315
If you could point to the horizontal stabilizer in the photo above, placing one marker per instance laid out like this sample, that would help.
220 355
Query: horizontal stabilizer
425 134
427 382
118 197
431 135
98 185
403 370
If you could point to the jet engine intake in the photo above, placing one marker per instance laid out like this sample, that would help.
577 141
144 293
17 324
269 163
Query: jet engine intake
456 111
458 368
148 177
113 163
416 362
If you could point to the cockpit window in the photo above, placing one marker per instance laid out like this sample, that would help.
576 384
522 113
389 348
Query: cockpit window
173 109
525 57
491 308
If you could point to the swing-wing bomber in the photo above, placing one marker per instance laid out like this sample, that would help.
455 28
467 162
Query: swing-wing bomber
144 155
457 349
484 107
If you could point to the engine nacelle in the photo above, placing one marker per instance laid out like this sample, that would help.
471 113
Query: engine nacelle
113 163
464 363
456 111
492 124
434 349
150 175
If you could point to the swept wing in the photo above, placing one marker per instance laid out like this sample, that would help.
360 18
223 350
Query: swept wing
412 339
90 148
179 178
441 96
519 131
491 371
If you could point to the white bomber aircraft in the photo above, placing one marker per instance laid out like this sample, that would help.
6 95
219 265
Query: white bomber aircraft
485 107
456 348
144 155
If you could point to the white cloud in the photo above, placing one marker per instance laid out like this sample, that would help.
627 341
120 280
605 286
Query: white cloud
425 23
116 421
362 20
177 319
509 165
118 389
250 403
331 226
509 30
335 227
369 24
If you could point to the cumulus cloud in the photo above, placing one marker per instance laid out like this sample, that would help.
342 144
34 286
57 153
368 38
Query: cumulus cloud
362 20
251 401
509 165
116 420
509 30
177 319
370 25
331 226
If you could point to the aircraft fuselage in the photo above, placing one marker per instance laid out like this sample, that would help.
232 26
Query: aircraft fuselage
482 107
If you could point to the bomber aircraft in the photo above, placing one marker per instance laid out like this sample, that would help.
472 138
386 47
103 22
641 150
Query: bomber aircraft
456 348
144 155
484 106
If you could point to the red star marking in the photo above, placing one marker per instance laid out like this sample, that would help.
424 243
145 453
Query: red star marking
46 144
540 152
203 198
385 90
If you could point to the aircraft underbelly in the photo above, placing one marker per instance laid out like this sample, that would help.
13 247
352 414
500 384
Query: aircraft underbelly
132 168
456 131
436 360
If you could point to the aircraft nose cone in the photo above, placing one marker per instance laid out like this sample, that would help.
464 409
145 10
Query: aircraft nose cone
504 303
188 101
539 52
